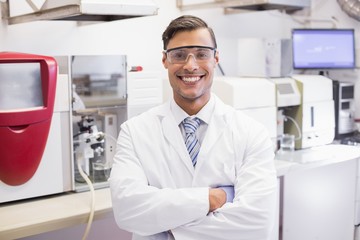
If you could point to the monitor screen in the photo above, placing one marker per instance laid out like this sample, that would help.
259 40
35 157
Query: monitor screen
20 86
323 48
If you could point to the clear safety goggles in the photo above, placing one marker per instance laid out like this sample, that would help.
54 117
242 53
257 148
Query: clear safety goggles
180 55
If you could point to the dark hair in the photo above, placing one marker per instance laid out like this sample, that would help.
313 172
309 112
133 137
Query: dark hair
185 23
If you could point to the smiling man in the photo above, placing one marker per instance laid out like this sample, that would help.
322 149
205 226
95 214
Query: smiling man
190 58
193 168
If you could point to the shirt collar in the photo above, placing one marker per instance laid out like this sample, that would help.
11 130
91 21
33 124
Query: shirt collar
204 114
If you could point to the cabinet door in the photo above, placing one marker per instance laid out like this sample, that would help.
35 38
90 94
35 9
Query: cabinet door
319 203
275 232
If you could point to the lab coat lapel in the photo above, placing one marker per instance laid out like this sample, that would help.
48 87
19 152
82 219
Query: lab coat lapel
173 136
216 127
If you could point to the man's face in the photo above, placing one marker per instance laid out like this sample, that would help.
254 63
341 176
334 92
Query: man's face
191 80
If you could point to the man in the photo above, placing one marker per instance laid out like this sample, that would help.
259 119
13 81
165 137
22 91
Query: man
215 182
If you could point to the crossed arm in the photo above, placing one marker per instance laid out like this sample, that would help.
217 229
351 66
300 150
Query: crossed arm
194 212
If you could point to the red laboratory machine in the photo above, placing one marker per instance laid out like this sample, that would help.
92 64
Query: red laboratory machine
27 94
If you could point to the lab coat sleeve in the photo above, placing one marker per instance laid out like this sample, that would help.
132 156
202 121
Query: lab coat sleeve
252 214
147 210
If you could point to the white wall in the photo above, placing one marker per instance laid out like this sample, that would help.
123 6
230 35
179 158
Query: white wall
140 38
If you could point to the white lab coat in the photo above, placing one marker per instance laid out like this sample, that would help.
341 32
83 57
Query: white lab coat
155 188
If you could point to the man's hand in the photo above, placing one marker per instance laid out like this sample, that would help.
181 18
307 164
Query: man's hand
217 198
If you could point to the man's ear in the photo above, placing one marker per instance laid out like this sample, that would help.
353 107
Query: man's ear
164 61
216 58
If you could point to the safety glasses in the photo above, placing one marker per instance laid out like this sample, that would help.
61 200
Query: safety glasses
180 55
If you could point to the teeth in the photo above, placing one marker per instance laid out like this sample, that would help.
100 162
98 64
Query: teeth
190 79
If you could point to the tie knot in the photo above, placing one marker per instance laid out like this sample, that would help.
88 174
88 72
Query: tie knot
191 124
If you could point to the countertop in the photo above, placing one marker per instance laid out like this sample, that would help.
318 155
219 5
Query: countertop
38 215
287 162
35 216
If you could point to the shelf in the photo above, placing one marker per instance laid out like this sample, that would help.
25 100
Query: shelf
79 10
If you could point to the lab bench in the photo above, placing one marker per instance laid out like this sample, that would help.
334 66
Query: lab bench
39 215
295 170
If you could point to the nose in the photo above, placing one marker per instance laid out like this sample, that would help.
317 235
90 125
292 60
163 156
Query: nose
190 63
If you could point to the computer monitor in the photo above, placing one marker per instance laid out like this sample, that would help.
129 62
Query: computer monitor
323 49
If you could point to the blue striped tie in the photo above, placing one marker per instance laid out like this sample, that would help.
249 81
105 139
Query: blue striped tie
191 141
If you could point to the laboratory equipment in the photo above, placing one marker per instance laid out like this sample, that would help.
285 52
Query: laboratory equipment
27 100
98 107
343 94
253 96
264 57
287 95
287 142
93 148
314 118
145 90
34 127
287 92
323 48
353 139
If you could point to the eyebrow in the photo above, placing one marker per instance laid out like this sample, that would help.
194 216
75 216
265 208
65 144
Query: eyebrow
192 46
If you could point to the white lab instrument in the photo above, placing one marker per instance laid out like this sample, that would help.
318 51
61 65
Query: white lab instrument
315 116
264 57
145 90
254 96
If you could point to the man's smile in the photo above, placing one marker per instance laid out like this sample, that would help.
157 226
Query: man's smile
191 78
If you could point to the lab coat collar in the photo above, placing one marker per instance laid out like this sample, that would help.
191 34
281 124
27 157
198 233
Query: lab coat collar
204 114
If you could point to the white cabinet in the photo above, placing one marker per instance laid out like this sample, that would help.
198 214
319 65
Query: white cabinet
319 203
357 204
275 232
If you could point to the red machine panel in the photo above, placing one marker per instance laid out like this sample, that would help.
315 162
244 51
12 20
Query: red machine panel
27 95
